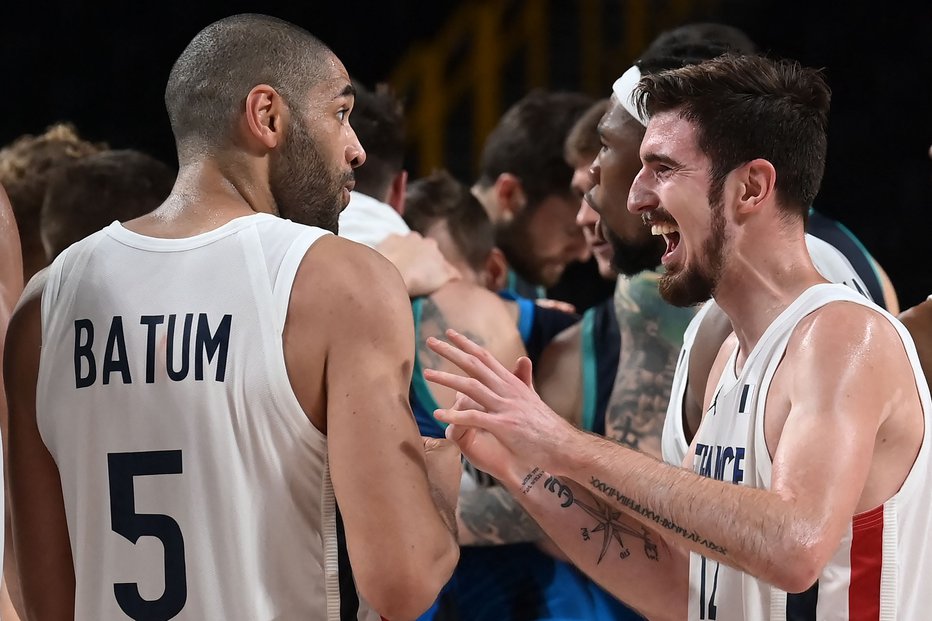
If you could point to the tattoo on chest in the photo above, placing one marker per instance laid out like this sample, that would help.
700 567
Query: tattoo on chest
607 523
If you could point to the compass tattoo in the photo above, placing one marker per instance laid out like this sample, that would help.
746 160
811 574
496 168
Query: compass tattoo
607 521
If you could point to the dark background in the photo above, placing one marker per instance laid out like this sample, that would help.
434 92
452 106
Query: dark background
103 66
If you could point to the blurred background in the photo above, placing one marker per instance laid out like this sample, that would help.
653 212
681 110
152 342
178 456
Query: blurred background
458 65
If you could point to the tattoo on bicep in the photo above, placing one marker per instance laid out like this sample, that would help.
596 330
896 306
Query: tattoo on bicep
607 522
661 521
494 517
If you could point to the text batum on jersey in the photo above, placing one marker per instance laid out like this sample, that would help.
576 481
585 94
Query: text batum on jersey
199 346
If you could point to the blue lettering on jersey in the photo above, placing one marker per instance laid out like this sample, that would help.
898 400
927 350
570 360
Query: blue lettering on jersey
208 347
722 463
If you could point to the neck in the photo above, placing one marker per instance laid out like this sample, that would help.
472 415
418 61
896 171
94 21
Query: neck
486 197
760 280
208 193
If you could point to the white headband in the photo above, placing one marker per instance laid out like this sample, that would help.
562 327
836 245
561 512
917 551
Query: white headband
623 88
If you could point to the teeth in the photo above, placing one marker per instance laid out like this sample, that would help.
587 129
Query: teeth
663 229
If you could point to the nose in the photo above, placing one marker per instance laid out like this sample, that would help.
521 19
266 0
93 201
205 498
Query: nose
354 153
586 216
577 249
641 197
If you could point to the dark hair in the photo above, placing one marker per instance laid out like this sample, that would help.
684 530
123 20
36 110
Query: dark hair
748 107
441 198
692 44
378 120
88 194
210 80
583 139
528 142
25 166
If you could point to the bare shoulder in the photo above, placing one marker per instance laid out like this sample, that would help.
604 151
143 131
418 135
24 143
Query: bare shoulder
346 268
918 320
559 374
11 261
562 354
847 330
473 299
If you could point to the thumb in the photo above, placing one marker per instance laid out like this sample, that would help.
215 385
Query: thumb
524 371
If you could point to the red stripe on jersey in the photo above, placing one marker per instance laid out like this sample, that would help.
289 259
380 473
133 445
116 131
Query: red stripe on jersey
866 565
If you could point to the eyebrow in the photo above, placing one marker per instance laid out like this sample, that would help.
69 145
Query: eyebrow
653 157
348 91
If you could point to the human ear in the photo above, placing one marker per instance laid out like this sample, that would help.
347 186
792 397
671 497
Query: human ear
756 185
509 194
495 275
265 116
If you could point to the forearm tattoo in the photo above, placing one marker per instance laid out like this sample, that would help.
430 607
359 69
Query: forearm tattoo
607 522
661 521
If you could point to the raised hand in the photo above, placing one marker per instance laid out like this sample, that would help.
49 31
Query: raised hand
499 421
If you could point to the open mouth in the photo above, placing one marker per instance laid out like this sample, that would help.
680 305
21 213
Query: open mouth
671 234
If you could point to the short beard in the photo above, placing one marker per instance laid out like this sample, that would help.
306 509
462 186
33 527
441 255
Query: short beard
304 188
513 240
696 284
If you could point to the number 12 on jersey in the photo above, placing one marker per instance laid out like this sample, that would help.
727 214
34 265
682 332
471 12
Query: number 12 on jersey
123 468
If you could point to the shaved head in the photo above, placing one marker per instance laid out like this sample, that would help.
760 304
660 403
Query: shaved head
209 82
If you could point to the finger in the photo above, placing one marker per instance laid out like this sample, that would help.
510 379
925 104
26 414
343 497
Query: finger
462 402
465 418
455 433
524 371
479 353
471 364
470 387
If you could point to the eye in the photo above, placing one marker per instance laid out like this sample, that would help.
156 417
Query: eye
343 114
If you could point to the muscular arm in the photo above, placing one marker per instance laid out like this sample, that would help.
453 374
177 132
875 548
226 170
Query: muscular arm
846 377
486 514
832 394
11 286
401 544
40 531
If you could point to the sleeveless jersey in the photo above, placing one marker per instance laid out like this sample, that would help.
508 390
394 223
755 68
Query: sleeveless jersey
830 263
881 569
195 487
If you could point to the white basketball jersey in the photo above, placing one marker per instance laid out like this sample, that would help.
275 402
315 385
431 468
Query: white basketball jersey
194 484
831 264
881 569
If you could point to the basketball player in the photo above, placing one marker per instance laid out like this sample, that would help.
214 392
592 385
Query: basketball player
11 285
918 320
220 426
812 462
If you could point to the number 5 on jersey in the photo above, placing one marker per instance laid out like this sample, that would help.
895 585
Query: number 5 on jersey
124 520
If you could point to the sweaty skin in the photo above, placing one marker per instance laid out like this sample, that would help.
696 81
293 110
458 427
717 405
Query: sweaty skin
843 390
11 285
